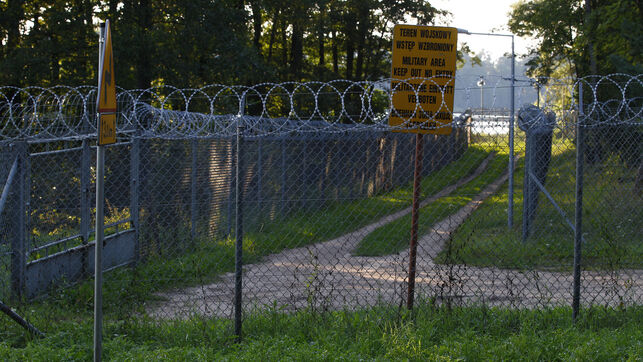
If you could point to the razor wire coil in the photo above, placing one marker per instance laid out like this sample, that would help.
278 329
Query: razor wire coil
278 108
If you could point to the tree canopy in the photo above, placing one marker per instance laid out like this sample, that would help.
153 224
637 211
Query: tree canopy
197 42
584 36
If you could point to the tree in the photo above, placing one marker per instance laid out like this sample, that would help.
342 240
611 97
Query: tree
565 29
189 44
594 37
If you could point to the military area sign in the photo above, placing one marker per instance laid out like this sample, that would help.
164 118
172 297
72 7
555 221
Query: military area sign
423 78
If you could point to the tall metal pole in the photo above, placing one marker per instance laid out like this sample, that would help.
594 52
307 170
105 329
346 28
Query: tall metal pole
98 246
510 206
238 270
194 210
578 232
419 140
481 100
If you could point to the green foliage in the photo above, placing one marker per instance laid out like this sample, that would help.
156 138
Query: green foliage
569 32
611 234
381 333
198 42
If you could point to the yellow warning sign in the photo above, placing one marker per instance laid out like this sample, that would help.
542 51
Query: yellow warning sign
107 89
107 93
106 128
423 78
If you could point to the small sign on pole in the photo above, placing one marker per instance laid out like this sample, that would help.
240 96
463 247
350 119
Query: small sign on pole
107 93
423 73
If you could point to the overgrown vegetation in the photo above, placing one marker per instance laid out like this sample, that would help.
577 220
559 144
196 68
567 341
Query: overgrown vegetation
428 333
611 228
205 259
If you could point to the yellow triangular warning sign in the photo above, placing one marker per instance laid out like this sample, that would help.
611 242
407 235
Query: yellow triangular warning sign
107 83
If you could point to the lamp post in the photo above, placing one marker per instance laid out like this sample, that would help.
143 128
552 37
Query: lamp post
510 206
481 84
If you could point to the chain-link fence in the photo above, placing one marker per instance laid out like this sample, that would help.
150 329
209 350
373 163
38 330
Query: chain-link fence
317 188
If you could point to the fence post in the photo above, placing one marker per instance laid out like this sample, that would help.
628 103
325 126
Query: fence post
259 173
527 188
233 158
238 269
193 201
135 160
19 240
283 175
417 179
300 203
85 197
578 233
510 196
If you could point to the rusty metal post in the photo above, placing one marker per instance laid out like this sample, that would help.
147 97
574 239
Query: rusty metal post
414 219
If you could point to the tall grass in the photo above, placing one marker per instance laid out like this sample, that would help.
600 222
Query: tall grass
379 333
611 228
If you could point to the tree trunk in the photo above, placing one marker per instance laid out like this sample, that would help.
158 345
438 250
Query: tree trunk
297 49
335 53
14 13
273 31
284 42
144 66
256 22
362 28
350 55
360 59
320 40
350 45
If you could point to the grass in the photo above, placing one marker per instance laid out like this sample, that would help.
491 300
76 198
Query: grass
380 333
611 228
307 227
394 236
202 261
383 333
127 291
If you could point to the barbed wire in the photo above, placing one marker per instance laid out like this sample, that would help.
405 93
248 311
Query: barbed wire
277 108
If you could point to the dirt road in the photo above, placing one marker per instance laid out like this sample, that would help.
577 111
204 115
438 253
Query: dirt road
327 276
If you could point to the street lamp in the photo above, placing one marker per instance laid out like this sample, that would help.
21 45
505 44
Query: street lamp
481 84
510 206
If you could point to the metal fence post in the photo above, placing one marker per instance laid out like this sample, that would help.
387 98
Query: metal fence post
283 176
193 201
231 187
135 161
526 187
303 189
19 240
85 199
578 234
510 196
238 269
259 173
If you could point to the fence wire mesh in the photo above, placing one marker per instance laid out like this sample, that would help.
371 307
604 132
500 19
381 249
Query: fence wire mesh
326 190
